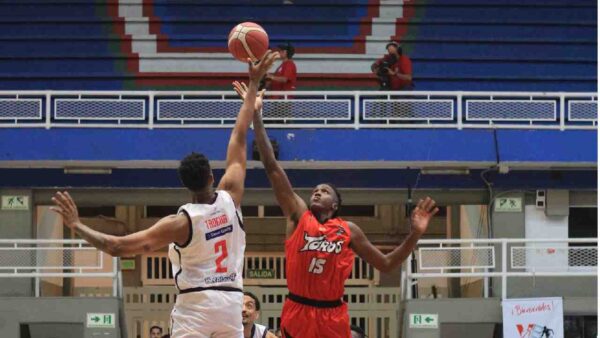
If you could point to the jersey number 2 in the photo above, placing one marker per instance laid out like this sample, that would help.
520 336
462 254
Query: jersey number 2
316 265
221 247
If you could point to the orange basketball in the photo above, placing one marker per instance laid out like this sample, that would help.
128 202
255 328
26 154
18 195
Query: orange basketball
248 40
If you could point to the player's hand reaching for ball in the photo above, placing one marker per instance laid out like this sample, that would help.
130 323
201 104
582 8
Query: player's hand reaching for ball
257 71
67 208
242 89
421 215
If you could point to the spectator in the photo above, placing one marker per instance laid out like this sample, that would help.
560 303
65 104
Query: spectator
250 313
166 336
394 70
357 332
284 77
156 332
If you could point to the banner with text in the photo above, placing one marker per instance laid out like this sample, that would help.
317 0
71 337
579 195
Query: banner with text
533 318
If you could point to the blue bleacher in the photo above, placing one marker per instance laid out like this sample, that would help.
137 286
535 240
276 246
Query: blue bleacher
546 45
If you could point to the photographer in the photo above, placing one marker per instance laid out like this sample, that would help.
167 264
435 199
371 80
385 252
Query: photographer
394 70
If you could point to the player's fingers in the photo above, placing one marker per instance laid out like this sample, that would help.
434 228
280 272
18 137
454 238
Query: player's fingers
238 89
70 201
58 202
420 204
431 206
244 86
262 93
435 211
58 211
427 204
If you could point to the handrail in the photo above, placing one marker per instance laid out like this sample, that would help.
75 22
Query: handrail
456 258
300 109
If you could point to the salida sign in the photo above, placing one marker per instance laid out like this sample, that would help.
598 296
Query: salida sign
533 318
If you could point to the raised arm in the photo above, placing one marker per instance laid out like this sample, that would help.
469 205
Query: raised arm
291 204
420 218
174 228
235 166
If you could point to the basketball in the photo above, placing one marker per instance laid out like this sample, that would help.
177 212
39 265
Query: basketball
248 40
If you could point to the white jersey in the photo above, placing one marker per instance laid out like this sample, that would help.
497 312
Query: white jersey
213 256
258 331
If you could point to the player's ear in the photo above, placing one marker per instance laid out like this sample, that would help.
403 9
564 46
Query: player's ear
211 179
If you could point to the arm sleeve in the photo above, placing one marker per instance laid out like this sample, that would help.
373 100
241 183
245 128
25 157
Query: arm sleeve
406 66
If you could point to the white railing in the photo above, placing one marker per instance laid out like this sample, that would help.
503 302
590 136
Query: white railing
503 258
38 258
375 308
156 270
318 109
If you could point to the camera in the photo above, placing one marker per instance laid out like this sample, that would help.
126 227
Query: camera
382 71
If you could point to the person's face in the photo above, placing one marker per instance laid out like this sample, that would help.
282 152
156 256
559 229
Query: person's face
249 313
392 49
323 198
155 333
282 53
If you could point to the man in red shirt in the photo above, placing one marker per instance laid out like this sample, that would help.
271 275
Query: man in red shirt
394 70
284 78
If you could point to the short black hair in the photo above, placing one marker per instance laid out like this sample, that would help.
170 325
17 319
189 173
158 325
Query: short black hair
338 196
194 171
287 46
156 327
253 296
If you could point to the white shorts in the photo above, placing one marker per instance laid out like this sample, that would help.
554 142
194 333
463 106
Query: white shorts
208 314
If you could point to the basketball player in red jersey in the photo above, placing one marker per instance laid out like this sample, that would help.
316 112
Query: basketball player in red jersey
320 249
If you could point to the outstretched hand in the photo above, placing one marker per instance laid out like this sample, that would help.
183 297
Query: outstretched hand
258 71
66 207
422 214
242 89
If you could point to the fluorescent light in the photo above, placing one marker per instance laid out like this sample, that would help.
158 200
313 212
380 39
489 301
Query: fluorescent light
445 171
88 171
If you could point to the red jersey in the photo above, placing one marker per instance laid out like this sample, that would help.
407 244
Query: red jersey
287 69
319 259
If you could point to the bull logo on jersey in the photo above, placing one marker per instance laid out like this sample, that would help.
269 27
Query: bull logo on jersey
321 244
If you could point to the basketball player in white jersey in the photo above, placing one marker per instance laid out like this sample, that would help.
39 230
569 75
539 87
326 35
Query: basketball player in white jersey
250 314
206 238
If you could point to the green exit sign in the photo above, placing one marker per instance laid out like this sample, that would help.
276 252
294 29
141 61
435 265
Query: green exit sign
127 264
261 273
423 321
101 320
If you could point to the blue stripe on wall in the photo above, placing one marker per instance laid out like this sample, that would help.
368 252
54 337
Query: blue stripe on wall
317 145
374 178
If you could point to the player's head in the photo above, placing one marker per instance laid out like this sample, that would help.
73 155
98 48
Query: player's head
393 47
357 331
195 173
286 51
251 308
325 198
156 332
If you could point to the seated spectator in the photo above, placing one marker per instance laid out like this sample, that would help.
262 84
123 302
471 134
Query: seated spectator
250 313
156 332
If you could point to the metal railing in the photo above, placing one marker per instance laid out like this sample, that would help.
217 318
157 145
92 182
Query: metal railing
503 258
302 109
156 270
39 258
